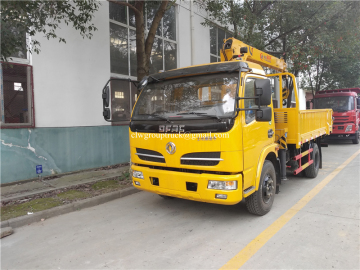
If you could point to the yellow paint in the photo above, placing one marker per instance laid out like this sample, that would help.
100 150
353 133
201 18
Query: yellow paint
247 252
173 184
253 55
264 153
302 125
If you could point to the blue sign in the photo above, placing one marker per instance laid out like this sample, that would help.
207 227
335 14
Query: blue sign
39 169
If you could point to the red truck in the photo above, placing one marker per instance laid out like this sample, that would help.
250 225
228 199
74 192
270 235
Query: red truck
345 104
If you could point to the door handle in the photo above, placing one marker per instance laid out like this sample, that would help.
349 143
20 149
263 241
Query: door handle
270 133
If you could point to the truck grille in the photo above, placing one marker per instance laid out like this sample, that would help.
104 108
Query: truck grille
281 117
201 159
150 155
341 118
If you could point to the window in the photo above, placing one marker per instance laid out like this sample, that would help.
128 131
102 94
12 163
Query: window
17 109
217 36
123 59
192 97
337 104
123 40
249 103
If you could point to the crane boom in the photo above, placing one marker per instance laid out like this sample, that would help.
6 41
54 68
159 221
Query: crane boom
233 49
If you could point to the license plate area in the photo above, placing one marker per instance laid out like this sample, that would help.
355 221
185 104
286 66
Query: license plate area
191 186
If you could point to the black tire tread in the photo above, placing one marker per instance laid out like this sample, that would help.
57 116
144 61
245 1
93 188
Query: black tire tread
311 172
253 203
356 140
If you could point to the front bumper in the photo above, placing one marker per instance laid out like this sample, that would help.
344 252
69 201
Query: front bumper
174 183
343 136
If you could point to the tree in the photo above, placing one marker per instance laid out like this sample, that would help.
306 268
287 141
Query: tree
19 18
310 35
144 44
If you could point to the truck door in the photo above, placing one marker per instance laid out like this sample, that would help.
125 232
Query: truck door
256 135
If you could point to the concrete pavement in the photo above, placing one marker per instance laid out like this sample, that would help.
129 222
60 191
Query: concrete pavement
144 231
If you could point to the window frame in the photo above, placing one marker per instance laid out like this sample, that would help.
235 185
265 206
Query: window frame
129 27
30 102
227 35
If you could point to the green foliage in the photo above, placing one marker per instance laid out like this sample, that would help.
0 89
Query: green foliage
108 184
73 195
36 205
42 17
318 39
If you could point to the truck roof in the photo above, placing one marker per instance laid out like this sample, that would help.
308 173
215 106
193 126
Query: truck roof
207 68
338 92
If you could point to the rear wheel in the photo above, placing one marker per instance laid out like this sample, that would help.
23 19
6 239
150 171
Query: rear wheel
260 202
313 169
356 140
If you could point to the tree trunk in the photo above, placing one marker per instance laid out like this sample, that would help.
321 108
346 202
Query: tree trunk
151 35
140 40
233 19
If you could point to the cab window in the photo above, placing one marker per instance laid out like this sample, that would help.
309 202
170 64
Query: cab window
249 103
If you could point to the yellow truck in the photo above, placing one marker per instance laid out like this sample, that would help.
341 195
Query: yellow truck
223 132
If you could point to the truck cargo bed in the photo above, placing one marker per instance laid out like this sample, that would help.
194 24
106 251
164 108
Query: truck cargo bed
303 125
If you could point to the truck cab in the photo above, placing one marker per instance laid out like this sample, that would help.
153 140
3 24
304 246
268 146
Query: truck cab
345 104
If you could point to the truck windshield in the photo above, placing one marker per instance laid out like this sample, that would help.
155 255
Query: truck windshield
338 104
206 96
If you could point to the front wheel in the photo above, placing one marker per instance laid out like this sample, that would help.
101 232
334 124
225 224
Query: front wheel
260 202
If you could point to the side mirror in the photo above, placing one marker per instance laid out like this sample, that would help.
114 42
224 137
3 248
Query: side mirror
264 114
106 102
358 102
262 90
144 81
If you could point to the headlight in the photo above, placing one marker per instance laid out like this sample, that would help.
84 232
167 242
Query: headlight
222 185
348 128
137 174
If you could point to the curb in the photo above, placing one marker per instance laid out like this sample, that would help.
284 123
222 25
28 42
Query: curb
42 191
64 209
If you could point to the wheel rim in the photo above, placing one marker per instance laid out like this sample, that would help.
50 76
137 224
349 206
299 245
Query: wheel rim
268 189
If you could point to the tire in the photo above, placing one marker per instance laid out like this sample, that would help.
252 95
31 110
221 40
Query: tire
356 140
313 169
260 202
166 197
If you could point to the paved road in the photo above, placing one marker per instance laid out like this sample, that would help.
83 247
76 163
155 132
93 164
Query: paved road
144 231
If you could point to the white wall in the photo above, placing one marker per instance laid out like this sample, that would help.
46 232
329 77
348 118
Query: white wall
68 78
201 36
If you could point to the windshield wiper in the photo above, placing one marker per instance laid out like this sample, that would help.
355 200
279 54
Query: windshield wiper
201 114
154 79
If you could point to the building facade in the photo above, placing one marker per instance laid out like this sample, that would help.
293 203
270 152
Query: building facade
51 102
